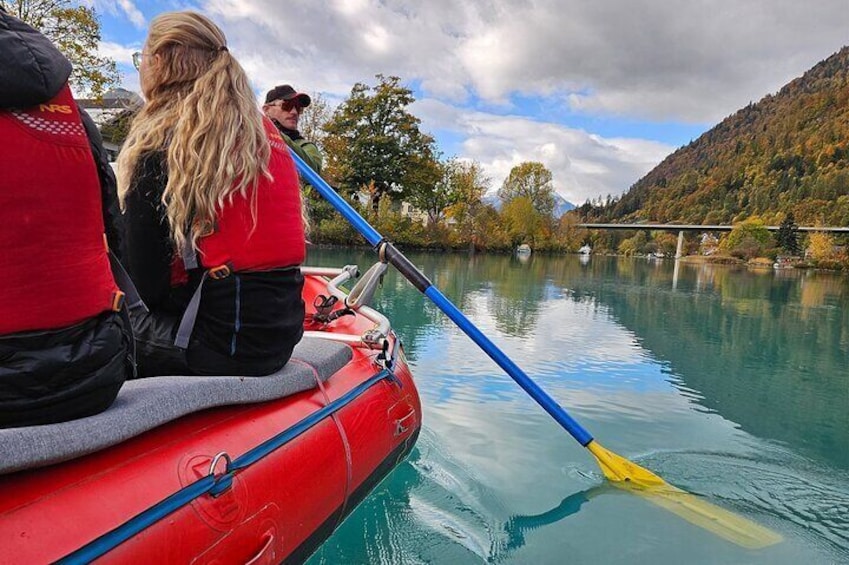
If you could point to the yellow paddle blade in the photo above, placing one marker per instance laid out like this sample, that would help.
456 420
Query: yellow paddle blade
618 469
727 525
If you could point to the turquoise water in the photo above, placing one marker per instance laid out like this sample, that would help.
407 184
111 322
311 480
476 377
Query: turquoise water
729 383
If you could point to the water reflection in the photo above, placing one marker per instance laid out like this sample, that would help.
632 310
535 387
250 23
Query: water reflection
768 350
769 353
685 369
517 526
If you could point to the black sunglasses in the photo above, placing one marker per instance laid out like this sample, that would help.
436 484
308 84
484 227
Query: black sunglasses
287 105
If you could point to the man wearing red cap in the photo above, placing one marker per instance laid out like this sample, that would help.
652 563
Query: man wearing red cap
283 104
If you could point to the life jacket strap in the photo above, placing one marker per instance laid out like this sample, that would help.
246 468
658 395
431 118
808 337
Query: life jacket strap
190 258
130 294
190 315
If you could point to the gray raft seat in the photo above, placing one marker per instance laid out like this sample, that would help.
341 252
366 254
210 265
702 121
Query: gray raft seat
144 404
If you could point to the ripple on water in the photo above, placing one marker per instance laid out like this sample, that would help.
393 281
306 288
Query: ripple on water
786 493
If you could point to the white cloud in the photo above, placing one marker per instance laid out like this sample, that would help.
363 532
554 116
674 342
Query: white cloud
133 13
641 60
583 165
122 54
127 7
696 62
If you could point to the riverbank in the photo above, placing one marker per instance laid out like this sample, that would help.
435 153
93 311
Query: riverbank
755 263
767 263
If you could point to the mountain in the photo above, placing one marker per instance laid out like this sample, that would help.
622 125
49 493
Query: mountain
561 205
789 152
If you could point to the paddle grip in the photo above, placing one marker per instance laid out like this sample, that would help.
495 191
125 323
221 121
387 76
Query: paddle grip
404 266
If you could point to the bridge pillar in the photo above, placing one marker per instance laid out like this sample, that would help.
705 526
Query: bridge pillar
679 250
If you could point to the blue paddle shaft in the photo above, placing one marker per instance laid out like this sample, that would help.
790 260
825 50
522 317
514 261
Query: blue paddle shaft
448 308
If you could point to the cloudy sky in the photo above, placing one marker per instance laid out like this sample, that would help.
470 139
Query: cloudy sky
600 91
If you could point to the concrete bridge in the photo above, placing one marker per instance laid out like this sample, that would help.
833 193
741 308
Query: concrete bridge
681 228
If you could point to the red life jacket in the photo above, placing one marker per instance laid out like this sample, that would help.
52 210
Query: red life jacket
275 237
55 265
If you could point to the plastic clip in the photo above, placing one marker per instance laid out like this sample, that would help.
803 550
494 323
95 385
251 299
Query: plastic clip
220 272
117 301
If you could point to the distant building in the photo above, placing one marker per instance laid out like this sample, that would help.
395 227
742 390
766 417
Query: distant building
709 244
416 215
112 115
113 103
409 211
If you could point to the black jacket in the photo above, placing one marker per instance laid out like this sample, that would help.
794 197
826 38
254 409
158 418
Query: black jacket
248 323
55 375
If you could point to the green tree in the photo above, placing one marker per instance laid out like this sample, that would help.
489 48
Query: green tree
372 137
75 30
635 244
429 188
787 235
457 191
747 239
115 129
531 180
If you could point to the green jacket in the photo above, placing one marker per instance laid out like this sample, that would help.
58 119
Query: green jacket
306 150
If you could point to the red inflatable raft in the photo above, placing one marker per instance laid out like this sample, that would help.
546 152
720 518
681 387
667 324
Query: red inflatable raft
219 469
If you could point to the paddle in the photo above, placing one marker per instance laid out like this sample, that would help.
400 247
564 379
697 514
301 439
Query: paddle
617 469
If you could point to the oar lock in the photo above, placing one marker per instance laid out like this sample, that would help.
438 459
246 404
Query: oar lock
324 312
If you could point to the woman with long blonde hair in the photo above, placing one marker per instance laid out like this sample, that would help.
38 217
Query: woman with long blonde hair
214 228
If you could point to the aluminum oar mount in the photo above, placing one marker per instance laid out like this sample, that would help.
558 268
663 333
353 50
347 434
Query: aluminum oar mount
362 293
620 471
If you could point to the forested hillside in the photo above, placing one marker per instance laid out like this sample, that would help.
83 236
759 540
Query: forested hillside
787 153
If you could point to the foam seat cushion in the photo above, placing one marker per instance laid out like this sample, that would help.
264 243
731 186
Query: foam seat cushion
144 404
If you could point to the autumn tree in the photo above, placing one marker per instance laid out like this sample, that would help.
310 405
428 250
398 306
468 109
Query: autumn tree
470 184
667 243
821 246
523 222
456 190
75 30
533 181
313 119
311 126
570 237
372 137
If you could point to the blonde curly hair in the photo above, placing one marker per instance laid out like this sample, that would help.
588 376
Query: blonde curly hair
202 113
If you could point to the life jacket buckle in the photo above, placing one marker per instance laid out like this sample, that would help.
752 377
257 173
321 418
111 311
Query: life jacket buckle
117 300
220 272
